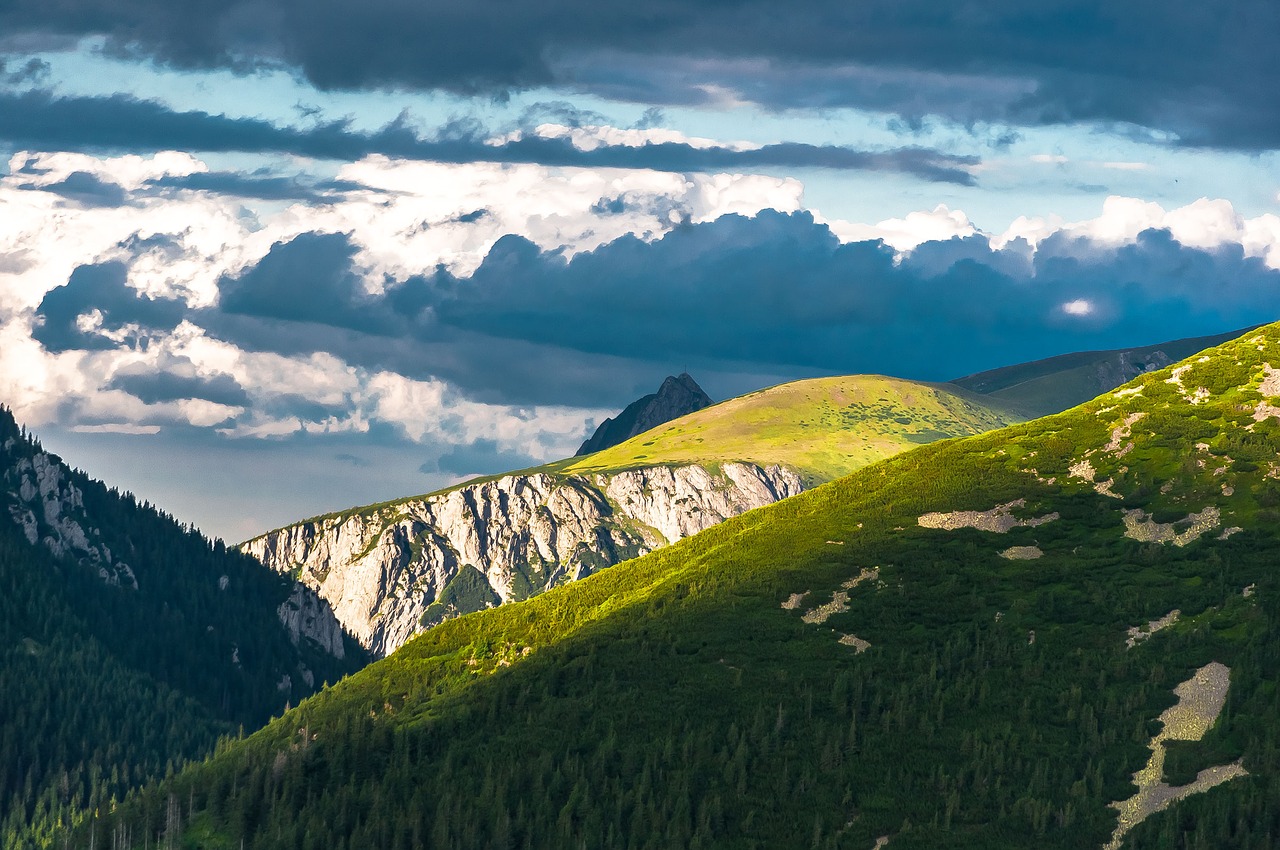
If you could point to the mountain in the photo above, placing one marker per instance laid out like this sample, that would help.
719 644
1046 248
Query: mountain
1054 384
822 428
676 397
1061 634
394 569
130 643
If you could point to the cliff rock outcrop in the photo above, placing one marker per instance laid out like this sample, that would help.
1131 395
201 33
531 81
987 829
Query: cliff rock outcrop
391 571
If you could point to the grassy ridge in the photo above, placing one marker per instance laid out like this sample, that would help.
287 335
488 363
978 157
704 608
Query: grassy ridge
675 700
822 427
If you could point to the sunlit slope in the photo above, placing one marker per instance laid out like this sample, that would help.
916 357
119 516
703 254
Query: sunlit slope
822 427
1052 385
966 645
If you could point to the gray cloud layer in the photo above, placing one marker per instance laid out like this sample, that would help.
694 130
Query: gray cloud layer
775 294
43 121
1205 71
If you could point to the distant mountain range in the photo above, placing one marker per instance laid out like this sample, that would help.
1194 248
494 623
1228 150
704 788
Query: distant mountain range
655 475
1063 633
1054 384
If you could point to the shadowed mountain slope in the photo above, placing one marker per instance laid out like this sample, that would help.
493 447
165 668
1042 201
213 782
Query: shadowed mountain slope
130 643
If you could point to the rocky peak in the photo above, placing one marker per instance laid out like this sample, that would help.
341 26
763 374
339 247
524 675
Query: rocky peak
678 396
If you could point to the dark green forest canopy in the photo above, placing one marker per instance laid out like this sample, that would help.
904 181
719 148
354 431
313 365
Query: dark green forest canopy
107 686
863 661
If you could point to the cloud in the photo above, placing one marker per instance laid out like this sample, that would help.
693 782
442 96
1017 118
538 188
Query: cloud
783 291
310 278
481 457
914 229
34 70
260 186
195 245
42 120
1178 66
84 189
155 387
96 309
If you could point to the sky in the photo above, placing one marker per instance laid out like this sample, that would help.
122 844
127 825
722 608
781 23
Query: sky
264 259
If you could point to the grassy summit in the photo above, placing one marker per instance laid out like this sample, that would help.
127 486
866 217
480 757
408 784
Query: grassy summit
977 643
822 427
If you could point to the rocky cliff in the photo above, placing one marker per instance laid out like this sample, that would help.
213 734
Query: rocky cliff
391 571
48 505
676 397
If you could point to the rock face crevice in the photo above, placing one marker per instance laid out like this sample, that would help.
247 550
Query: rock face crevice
390 572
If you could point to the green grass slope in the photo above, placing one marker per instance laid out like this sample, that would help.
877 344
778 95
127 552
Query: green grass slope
1052 385
822 427
861 662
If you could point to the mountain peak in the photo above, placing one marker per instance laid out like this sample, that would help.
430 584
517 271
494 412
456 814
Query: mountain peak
678 396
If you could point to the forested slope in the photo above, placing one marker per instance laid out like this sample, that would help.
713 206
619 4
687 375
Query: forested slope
973 644
128 643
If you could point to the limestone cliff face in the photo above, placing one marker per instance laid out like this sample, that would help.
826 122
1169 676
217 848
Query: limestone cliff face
49 507
392 571
305 615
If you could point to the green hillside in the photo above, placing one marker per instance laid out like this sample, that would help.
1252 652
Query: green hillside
969 645
822 427
1052 385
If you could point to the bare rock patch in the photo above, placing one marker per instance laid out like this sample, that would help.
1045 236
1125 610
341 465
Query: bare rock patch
998 519
1200 701
1138 525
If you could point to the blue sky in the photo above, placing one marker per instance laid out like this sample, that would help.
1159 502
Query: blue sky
261 259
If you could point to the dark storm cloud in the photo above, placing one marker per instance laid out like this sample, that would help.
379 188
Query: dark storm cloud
308 279
156 387
1205 71
780 290
259 185
481 457
102 288
44 121
775 294
84 189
